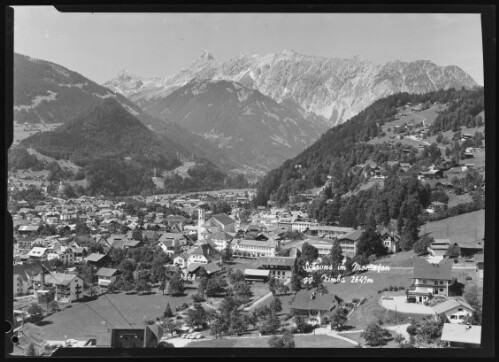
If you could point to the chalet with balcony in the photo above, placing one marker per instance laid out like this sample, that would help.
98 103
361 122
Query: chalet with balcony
430 280
349 242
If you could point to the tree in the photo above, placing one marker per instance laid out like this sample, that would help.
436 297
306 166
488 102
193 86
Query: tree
410 234
370 243
336 255
374 335
309 253
171 325
242 291
270 323
36 312
285 341
196 315
471 295
227 254
295 283
238 324
421 246
453 251
339 317
215 286
276 305
176 286
272 285
142 282
168 312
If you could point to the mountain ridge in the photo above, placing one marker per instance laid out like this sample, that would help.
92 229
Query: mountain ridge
336 88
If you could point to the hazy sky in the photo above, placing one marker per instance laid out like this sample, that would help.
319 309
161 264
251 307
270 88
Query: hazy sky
157 44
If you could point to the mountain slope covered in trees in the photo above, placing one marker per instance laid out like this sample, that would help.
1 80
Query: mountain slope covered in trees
344 146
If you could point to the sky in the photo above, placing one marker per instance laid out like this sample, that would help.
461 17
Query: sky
100 45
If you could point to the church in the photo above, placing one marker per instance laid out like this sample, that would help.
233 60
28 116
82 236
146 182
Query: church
215 224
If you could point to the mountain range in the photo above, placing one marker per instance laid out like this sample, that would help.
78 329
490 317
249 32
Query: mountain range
106 130
334 88
49 93
253 128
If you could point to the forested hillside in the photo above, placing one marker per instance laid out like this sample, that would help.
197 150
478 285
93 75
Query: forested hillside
343 147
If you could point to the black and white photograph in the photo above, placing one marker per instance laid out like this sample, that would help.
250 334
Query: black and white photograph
247 180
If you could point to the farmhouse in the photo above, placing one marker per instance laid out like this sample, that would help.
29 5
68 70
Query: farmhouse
439 248
313 308
429 280
98 260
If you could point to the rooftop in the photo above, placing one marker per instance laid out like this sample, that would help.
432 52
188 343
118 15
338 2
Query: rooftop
461 333
426 270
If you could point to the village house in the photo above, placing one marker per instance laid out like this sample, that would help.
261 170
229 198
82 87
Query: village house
391 240
313 308
181 260
349 242
40 254
470 248
28 230
439 248
203 253
429 280
461 335
330 232
29 334
254 248
97 260
106 276
220 240
68 287
301 226
23 277
280 267
456 310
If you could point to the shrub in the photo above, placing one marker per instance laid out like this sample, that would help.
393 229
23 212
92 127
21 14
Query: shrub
391 288
468 278
185 305
456 261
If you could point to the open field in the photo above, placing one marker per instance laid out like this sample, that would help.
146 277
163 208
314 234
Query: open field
73 321
22 131
349 290
312 341
460 228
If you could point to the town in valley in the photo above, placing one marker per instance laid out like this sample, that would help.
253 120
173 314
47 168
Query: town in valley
248 203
